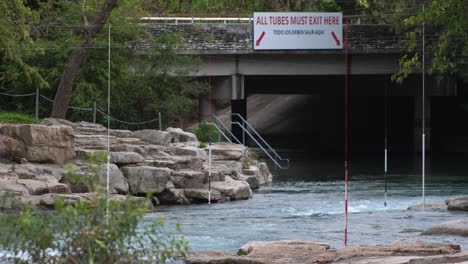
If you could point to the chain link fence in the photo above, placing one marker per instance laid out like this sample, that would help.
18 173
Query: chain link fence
95 110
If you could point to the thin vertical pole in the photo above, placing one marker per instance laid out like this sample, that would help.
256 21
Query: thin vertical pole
160 120
108 118
423 125
385 142
94 112
209 173
37 105
346 136
209 88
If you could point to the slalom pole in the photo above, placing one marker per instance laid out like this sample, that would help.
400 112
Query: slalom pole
346 137
423 123
108 121
385 143
209 173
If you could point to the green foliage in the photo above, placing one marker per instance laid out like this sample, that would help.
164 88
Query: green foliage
202 145
206 132
245 166
16 118
447 53
86 232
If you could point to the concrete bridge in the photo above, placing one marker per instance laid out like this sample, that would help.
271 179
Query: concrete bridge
237 72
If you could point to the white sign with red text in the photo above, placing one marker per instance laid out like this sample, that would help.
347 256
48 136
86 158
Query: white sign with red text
297 31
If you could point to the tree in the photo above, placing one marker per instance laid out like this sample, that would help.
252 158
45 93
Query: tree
89 32
447 44
17 45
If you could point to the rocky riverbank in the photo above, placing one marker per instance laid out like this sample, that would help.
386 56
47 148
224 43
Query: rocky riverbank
307 252
170 164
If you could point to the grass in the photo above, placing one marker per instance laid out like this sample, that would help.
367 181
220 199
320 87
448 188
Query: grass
16 118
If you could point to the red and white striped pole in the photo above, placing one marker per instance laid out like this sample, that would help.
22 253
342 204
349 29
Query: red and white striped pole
346 137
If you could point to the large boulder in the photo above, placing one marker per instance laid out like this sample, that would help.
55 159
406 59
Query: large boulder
147 179
457 203
48 144
233 190
189 151
226 151
118 183
95 142
428 206
11 149
307 252
454 227
188 179
126 157
153 136
200 195
178 135
58 122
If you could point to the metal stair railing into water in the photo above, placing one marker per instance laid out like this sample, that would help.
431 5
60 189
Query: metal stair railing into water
266 148
217 125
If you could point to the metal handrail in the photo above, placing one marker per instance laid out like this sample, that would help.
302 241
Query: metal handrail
228 130
277 156
220 131
261 147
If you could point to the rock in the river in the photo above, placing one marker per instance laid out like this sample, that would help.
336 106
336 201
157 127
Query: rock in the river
458 203
306 252
153 136
428 206
233 190
200 195
52 144
454 227
146 179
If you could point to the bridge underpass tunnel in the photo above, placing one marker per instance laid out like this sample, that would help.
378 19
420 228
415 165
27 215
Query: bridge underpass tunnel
303 116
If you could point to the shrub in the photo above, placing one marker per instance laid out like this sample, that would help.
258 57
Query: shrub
206 132
202 145
86 232
16 118
245 166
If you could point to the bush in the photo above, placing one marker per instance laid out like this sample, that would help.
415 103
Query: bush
202 145
86 232
16 118
205 132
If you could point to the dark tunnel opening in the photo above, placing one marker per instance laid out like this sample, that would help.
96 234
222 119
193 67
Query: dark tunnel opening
312 123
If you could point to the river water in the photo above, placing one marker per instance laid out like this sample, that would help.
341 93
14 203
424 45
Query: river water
306 203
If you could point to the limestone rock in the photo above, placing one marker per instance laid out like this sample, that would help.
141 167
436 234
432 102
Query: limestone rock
265 176
188 179
410 241
428 206
121 133
153 136
189 151
251 180
178 135
52 144
455 227
36 187
144 179
126 157
180 162
172 196
458 203
200 195
233 190
306 252
50 199
94 142
11 149
58 122
226 151
118 183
